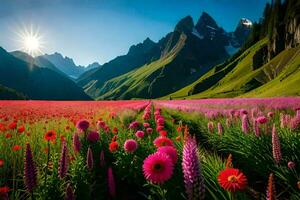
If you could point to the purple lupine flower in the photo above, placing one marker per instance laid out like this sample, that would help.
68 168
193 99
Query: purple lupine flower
245 124
193 179
83 124
111 183
89 159
276 145
295 122
102 159
30 171
76 143
210 126
220 128
256 128
63 162
69 193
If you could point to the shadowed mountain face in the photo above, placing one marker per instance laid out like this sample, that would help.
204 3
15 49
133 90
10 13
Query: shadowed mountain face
36 82
175 61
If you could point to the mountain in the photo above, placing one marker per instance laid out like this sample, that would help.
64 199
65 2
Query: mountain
268 65
36 82
39 61
10 94
65 64
150 69
92 66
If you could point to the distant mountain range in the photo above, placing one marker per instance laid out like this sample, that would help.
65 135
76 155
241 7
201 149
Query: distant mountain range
25 79
67 65
151 70
195 60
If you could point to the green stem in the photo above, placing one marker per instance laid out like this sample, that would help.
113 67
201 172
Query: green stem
48 159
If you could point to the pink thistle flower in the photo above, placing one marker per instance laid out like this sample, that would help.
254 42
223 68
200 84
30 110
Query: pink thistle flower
256 128
130 145
140 134
93 136
158 168
170 151
111 183
276 145
83 124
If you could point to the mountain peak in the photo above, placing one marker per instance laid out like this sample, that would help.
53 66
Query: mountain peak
205 21
186 24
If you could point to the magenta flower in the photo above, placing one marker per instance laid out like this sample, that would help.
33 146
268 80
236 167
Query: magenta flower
193 179
83 124
111 183
146 125
30 171
170 151
158 168
245 124
149 130
210 126
93 136
89 159
102 159
291 165
134 125
130 145
69 193
76 143
262 120
64 161
276 145
140 134
256 128
220 128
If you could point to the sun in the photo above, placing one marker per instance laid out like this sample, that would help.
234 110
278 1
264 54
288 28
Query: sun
31 41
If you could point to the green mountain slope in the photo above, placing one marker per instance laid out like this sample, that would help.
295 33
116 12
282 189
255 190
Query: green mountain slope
9 94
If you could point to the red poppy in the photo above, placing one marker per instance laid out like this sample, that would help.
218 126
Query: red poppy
113 146
1 162
179 128
50 135
163 133
232 179
62 138
12 125
16 148
4 190
21 129
115 130
8 135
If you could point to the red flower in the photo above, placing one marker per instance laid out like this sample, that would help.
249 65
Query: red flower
232 179
21 129
163 133
12 125
163 141
7 135
115 130
1 162
50 135
16 148
113 146
4 190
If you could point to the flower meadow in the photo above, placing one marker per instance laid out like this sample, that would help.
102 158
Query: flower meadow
186 149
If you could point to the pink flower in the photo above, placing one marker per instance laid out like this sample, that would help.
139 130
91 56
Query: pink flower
111 182
262 120
220 128
170 151
146 124
210 126
149 130
159 128
276 145
163 141
270 114
130 145
245 124
134 125
158 168
83 124
93 136
291 164
140 134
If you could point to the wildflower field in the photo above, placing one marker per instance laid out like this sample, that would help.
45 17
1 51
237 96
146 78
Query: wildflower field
195 149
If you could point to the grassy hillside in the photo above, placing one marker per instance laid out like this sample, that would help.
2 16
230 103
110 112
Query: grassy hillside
8 94
278 77
136 82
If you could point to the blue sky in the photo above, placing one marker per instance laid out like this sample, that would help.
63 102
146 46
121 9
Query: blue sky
99 30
